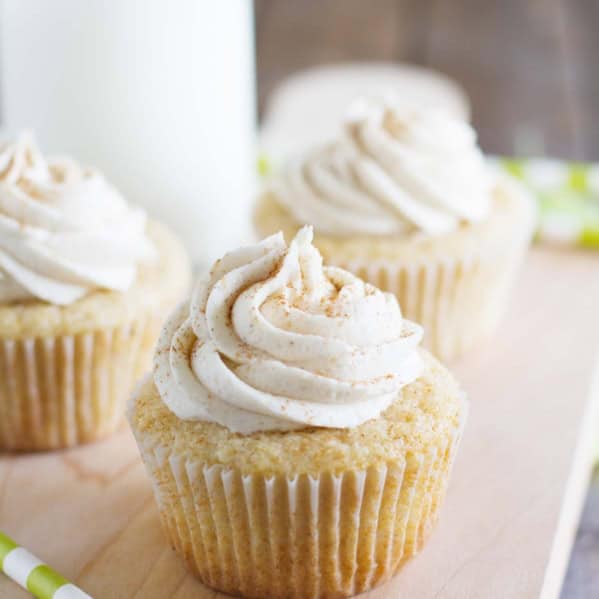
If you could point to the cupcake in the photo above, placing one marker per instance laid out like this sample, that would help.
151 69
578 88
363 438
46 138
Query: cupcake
405 200
298 439
85 283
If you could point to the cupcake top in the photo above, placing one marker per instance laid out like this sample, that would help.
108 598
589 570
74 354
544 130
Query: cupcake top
64 230
395 169
272 340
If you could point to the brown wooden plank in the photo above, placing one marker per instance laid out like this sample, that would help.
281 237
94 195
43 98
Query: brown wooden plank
297 35
513 57
580 21
510 57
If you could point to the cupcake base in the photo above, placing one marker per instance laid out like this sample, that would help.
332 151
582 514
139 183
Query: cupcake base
312 537
248 526
67 372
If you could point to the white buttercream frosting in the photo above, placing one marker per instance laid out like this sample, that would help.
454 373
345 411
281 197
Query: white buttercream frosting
64 230
395 169
272 340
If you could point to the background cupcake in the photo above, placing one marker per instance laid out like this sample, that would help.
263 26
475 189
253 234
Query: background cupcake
404 200
298 440
84 284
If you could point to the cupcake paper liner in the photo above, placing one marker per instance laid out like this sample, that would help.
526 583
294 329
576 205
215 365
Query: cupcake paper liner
57 392
458 301
310 536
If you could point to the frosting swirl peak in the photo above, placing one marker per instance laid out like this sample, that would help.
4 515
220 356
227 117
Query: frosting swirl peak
395 169
64 230
272 340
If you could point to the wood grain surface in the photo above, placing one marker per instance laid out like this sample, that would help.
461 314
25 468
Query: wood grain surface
512 506
529 66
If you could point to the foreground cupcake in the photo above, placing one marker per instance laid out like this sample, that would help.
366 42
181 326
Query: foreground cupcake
298 440
85 282
404 200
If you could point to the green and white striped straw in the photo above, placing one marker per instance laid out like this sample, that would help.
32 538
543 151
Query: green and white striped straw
33 575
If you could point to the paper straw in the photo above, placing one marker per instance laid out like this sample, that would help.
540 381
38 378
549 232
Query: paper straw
33 575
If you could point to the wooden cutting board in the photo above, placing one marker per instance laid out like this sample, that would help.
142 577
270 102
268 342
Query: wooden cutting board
513 503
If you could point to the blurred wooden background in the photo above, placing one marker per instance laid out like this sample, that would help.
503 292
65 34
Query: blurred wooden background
530 68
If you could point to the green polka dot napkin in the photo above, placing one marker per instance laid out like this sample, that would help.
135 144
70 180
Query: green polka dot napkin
568 196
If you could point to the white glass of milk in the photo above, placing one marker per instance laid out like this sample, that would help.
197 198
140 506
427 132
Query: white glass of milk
159 94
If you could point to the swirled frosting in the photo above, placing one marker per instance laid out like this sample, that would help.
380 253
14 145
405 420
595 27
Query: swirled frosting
272 340
395 169
64 230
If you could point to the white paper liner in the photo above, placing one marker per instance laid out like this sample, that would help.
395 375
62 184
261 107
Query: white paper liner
268 537
458 301
60 391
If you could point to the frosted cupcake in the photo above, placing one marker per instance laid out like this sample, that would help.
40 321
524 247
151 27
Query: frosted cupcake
298 440
404 200
85 282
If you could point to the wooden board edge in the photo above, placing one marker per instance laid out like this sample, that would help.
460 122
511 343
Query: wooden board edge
575 493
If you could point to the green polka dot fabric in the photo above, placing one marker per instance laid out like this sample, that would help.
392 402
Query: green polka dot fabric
567 194
33 575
